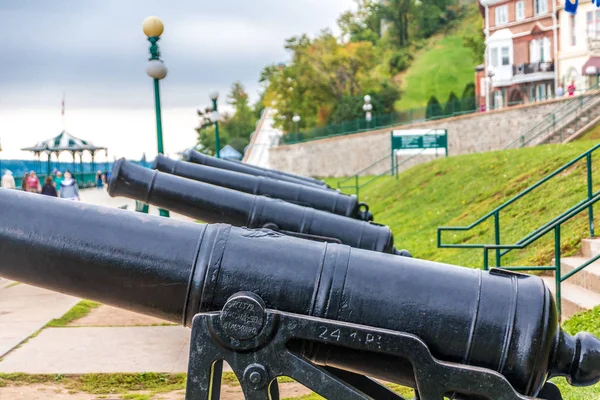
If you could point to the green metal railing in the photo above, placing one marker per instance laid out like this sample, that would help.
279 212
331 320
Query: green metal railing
556 227
554 224
399 118
555 123
355 179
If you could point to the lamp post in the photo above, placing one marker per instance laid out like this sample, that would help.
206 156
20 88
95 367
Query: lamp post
367 107
489 90
214 117
153 27
296 118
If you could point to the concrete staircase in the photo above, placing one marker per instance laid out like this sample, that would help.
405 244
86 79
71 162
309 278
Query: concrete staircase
580 292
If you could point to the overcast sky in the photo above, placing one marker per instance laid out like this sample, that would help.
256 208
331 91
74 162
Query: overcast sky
95 51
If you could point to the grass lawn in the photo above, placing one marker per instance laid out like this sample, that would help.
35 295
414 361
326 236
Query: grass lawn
445 65
457 191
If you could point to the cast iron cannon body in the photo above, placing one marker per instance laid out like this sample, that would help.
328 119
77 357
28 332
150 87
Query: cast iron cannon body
325 200
175 270
199 158
215 204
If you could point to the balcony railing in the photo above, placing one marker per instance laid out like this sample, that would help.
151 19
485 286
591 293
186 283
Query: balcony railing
531 68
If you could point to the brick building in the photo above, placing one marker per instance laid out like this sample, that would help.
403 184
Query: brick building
579 38
521 39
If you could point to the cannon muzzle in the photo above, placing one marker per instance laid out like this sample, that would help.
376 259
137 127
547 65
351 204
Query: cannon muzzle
215 204
199 158
174 270
325 200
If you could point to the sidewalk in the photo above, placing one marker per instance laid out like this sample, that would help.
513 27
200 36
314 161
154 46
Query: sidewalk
26 309
95 345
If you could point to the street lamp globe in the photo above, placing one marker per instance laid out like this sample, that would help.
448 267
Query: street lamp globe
367 107
214 95
215 116
156 69
153 27
296 118
367 99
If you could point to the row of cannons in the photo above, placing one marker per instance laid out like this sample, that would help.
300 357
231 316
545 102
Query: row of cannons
291 278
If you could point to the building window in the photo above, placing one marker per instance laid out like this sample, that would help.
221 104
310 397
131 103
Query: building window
505 57
501 15
573 35
494 57
520 10
539 50
597 23
540 6
589 17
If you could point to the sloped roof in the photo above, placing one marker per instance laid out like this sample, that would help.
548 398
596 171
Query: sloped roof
230 153
63 142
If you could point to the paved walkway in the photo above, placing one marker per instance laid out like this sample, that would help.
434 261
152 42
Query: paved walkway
101 198
102 350
26 309
75 350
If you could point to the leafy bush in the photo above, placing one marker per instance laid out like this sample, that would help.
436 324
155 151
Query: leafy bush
400 60
452 105
434 109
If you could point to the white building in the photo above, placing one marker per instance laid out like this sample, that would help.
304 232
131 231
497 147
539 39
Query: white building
579 50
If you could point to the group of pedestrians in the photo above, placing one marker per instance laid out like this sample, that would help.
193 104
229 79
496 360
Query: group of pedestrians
56 185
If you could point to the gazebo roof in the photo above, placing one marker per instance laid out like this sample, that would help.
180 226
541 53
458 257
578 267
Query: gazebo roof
64 142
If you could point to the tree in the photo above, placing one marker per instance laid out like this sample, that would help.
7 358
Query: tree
452 104
234 129
434 109
322 72
468 100
398 14
475 42
362 25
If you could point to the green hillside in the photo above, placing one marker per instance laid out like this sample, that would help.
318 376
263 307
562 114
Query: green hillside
443 66
459 190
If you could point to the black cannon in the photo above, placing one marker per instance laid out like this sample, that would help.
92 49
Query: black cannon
325 314
325 200
199 158
215 204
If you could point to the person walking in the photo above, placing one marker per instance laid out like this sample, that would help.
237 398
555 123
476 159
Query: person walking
68 188
8 182
24 182
58 180
33 183
48 189
99 180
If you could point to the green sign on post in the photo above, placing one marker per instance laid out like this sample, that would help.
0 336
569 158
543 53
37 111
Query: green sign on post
417 139
431 139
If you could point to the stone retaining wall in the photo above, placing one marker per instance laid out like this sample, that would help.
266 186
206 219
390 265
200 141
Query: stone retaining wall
473 133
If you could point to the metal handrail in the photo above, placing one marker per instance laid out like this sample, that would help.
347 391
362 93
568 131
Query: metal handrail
496 212
391 171
556 227
552 119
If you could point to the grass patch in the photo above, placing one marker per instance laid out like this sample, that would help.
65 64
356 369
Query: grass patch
12 285
457 191
427 76
80 310
587 321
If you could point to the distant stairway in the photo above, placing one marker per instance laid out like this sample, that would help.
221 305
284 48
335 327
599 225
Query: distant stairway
570 121
582 291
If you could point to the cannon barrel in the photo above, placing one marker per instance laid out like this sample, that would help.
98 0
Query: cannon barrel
199 158
325 200
215 204
173 270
